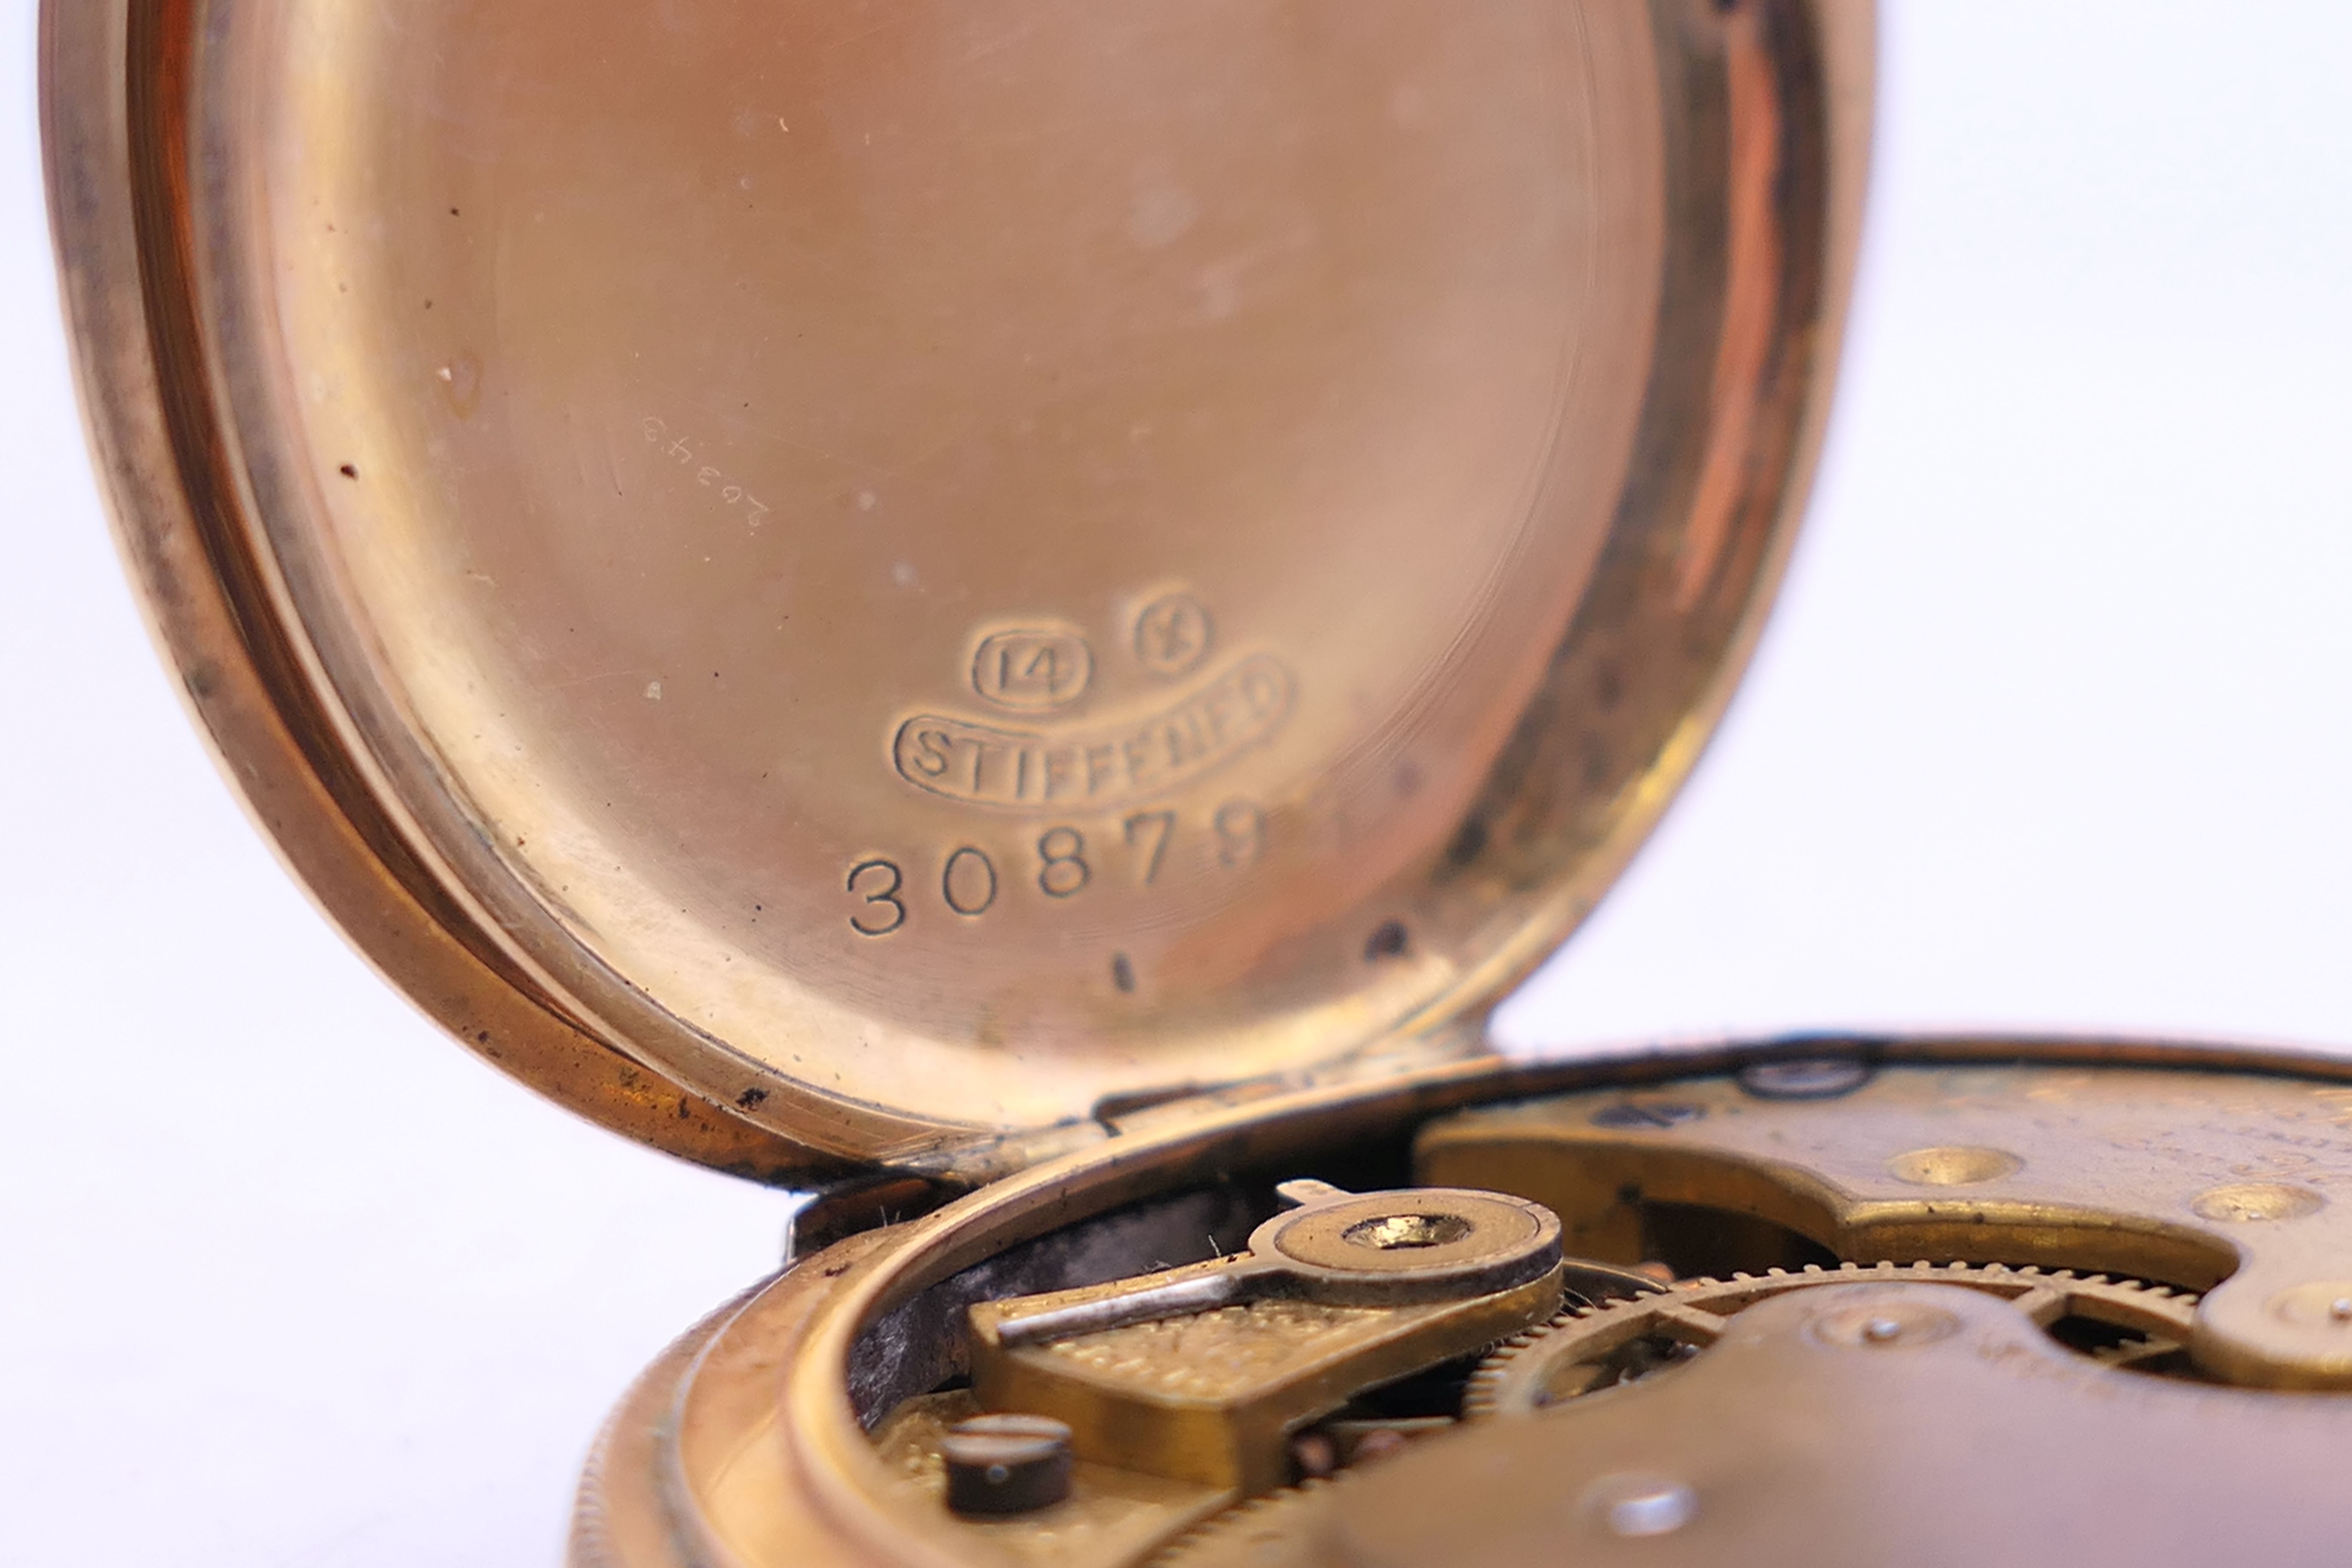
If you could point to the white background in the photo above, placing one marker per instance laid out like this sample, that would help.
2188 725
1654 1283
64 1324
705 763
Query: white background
2051 729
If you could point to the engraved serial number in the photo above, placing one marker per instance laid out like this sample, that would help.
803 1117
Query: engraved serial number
1063 862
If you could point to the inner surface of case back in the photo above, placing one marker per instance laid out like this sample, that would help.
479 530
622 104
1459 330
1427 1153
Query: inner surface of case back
914 567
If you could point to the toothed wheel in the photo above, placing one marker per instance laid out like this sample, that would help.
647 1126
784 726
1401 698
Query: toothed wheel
1595 1347
1263 1529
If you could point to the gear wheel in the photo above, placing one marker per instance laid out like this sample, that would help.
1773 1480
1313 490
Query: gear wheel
1268 1529
1594 1347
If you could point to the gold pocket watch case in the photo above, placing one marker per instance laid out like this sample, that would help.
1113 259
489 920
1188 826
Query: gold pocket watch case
1022 615
870 583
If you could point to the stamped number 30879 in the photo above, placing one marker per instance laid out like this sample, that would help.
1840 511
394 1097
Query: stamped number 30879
1064 863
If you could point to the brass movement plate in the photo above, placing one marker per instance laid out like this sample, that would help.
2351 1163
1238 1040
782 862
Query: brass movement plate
2124 1340
832 581
1962 1435
2229 1186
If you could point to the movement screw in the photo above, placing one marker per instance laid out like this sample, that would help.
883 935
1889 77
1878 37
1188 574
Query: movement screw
1804 1077
1643 1505
1006 1464
1647 1113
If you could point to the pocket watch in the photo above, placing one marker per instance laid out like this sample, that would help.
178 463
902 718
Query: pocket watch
1020 616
